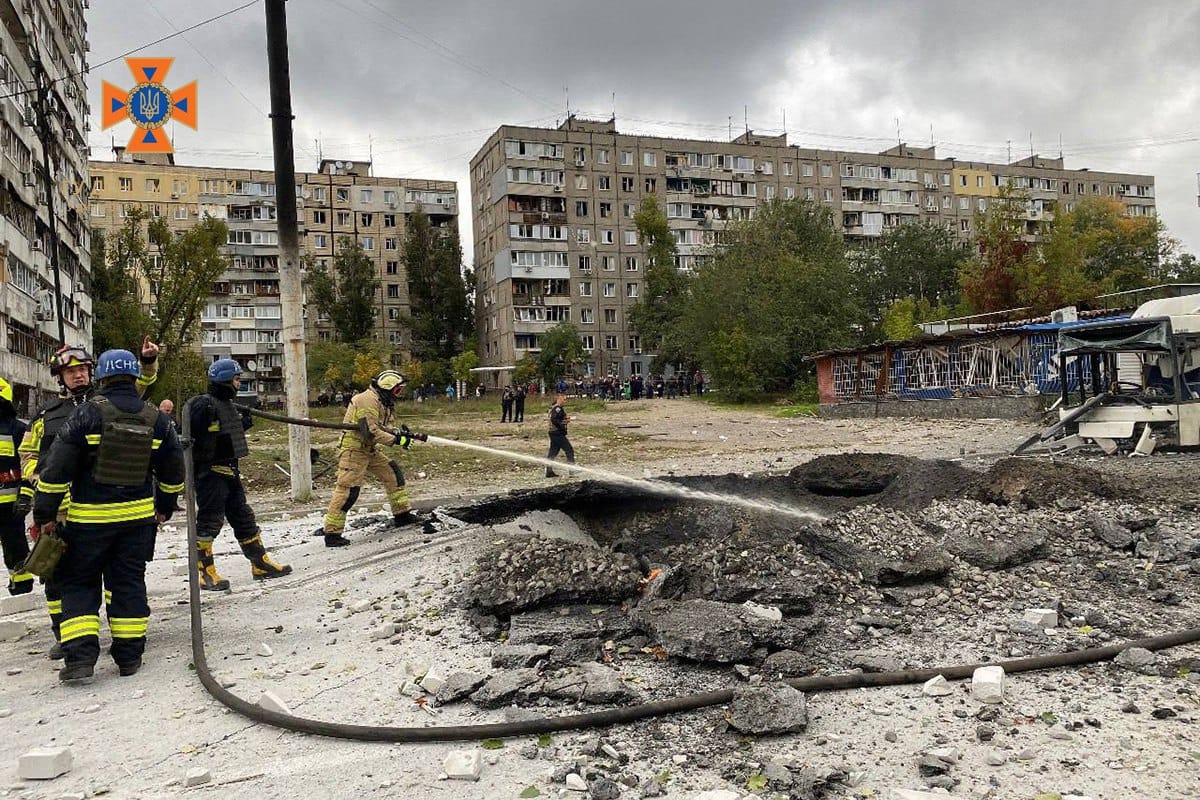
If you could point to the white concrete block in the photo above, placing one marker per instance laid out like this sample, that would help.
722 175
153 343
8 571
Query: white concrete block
770 613
463 765
576 783
433 681
181 570
197 776
384 631
948 755
413 690
11 629
20 603
913 794
44 763
937 686
1041 617
987 684
272 702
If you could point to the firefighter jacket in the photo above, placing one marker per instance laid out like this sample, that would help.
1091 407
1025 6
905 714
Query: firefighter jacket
368 405
558 420
72 459
218 431
12 431
49 421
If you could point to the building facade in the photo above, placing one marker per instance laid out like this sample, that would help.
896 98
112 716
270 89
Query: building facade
555 239
243 317
38 36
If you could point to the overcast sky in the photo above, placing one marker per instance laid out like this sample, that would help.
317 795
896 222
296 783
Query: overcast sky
421 84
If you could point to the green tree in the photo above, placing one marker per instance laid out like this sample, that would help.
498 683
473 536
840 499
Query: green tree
901 319
525 370
1182 267
463 363
920 261
774 294
442 314
347 293
561 349
1108 248
115 303
990 279
330 365
656 315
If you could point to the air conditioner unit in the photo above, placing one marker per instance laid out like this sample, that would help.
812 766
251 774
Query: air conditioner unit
545 216
579 162
36 245
1067 314
272 346
759 168
558 188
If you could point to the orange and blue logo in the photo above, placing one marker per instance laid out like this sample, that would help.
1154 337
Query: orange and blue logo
149 105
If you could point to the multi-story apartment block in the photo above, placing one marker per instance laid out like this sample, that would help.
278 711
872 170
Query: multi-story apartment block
555 239
243 318
48 36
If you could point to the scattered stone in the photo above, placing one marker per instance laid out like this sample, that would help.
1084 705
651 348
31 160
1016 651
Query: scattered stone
1130 707
928 766
985 733
265 650
707 630
912 794
433 682
603 789
875 662
890 736
11 629
786 664
384 631
197 776
717 794
590 682
463 765
576 783
359 606
996 758
987 684
91 709
1163 713
503 687
520 655
44 763
272 702
1113 534
937 686
769 613
1135 658
946 754
457 686
1041 617
768 710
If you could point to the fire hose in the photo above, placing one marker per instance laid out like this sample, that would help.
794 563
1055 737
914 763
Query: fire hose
595 719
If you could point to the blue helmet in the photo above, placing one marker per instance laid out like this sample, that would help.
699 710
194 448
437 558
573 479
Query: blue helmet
117 362
224 370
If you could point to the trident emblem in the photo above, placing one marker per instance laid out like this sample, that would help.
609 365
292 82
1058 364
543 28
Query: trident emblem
149 105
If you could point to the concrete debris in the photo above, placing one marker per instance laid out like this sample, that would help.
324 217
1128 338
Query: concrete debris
913 794
706 630
787 664
272 702
1041 617
1135 658
434 681
548 524
768 710
769 613
590 682
11 630
503 687
521 655
717 794
1113 534
20 603
987 684
265 650
576 783
458 685
197 776
44 763
463 765
937 686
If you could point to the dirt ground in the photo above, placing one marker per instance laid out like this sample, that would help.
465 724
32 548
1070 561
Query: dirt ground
313 639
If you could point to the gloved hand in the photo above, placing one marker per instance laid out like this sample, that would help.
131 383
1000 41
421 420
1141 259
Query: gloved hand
403 437
46 529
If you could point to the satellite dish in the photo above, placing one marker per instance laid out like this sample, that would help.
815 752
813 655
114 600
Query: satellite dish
252 365
337 164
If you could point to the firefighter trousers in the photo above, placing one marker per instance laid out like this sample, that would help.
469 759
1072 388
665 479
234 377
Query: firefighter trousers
353 466
220 498
13 542
97 553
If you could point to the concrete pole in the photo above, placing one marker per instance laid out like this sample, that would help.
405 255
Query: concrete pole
295 375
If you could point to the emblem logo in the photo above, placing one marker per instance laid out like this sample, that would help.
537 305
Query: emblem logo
149 105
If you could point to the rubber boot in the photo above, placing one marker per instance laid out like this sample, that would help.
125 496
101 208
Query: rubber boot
261 566
129 668
210 581
336 540
77 673
21 583
55 653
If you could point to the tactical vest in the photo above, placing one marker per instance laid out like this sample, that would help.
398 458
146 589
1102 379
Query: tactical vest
10 462
126 444
54 417
230 420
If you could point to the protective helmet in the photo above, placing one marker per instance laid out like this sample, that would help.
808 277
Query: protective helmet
6 390
117 362
390 382
224 370
70 356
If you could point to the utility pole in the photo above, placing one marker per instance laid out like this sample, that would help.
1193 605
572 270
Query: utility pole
43 110
295 376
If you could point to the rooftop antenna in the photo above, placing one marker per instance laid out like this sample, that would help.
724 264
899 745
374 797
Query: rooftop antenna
899 143
1009 141
317 143
931 143
731 127
1031 147
614 106
567 100
370 151
784 110
746 119
1060 146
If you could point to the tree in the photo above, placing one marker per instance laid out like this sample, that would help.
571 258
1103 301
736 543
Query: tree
463 363
561 348
442 315
656 316
330 365
347 294
1113 251
920 261
118 311
525 370
774 294
990 278
901 319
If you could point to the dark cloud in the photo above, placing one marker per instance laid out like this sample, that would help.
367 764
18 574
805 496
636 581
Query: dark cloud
421 85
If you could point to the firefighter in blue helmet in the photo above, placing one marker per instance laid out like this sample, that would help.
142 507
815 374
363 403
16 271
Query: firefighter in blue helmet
15 495
219 440
122 463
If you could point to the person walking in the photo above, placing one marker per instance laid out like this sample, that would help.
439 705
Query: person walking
123 465
358 457
218 441
506 404
558 433
16 495
519 403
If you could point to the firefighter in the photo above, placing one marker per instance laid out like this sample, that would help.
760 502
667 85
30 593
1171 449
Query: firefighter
110 453
358 457
16 495
218 441
73 367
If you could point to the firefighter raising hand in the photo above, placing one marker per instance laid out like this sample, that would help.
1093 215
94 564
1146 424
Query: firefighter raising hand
150 350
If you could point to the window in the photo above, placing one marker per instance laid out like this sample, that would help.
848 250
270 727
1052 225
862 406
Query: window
320 241
635 345
609 263
319 218
604 183
631 290
589 341
602 156
827 195
581 182
585 289
648 159
343 195
585 263
947 202
651 183
97 209
605 210
610 316
962 180
808 193
610 289
343 218
789 193
319 195
389 196
964 204
770 193
981 204
365 195
628 210
581 208
367 220
368 243
945 179
583 235
97 183
392 267
787 168
393 314
626 158
389 220
606 236
610 342
630 237
631 263
391 243
626 184
768 167
152 185
126 184
979 181
964 225
393 290
181 212
826 171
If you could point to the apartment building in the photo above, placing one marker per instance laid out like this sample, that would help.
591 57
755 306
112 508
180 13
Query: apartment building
243 317
555 239
52 34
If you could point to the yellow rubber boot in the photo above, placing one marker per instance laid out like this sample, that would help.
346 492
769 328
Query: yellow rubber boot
210 580
262 567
